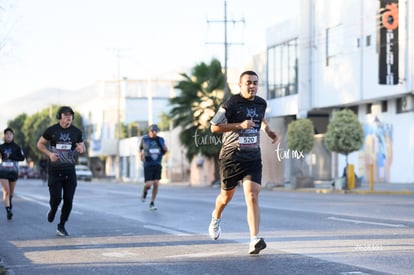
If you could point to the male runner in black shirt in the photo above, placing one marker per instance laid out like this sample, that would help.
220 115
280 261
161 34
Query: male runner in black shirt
62 143
240 120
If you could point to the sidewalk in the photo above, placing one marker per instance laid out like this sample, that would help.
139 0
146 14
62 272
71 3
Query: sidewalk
384 188
328 187
320 187
378 188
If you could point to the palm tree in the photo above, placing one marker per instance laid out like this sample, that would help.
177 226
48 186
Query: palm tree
201 95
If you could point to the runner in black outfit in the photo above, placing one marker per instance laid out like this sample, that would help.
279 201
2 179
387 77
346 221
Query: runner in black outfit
240 120
65 144
10 154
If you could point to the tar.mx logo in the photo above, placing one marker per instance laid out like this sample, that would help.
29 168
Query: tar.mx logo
288 154
200 140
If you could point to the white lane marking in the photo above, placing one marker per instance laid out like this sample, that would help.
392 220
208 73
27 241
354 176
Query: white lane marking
122 254
202 254
36 199
354 272
366 222
166 230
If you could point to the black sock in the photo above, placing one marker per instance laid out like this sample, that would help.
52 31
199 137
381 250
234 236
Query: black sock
10 202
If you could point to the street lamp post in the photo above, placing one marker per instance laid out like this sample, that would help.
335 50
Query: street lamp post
118 145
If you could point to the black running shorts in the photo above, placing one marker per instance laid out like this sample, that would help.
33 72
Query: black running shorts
233 171
152 172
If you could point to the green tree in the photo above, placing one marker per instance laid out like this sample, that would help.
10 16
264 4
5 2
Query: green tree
344 134
300 139
28 129
201 95
300 135
17 124
133 129
164 123
32 129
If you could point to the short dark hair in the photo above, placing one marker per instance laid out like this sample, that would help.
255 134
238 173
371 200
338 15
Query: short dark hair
8 129
65 109
248 73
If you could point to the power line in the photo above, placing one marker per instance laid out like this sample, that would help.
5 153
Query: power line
226 43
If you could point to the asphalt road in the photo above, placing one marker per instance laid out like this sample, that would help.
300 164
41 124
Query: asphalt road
113 232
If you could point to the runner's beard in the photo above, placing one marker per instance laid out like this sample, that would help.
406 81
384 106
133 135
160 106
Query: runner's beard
251 94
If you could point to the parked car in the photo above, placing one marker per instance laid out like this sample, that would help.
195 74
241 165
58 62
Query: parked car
33 173
83 172
26 172
23 169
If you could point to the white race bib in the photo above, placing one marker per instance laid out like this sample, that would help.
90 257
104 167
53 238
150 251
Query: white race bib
7 164
154 151
63 146
244 140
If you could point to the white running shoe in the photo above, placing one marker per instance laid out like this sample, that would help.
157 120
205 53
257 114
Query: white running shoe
214 229
256 246
61 231
152 207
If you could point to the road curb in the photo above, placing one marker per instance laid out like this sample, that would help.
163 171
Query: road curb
361 192
380 192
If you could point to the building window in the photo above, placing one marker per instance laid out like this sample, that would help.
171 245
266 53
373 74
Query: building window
352 108
368 40
334 44
375 108
384 106
369 108
405 104
282 69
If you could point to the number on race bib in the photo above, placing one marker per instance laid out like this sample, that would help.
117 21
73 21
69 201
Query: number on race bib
154 151
63 146
7 164
248 140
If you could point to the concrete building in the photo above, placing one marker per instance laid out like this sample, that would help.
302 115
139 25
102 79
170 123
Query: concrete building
337 54
135 103
345 54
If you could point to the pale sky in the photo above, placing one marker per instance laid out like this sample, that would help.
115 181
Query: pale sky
71 44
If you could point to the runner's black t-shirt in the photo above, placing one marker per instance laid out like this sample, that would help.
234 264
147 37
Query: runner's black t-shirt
11 154
153 150
63 142
241 144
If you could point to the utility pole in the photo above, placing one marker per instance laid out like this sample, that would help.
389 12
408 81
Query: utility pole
117 52
226 43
